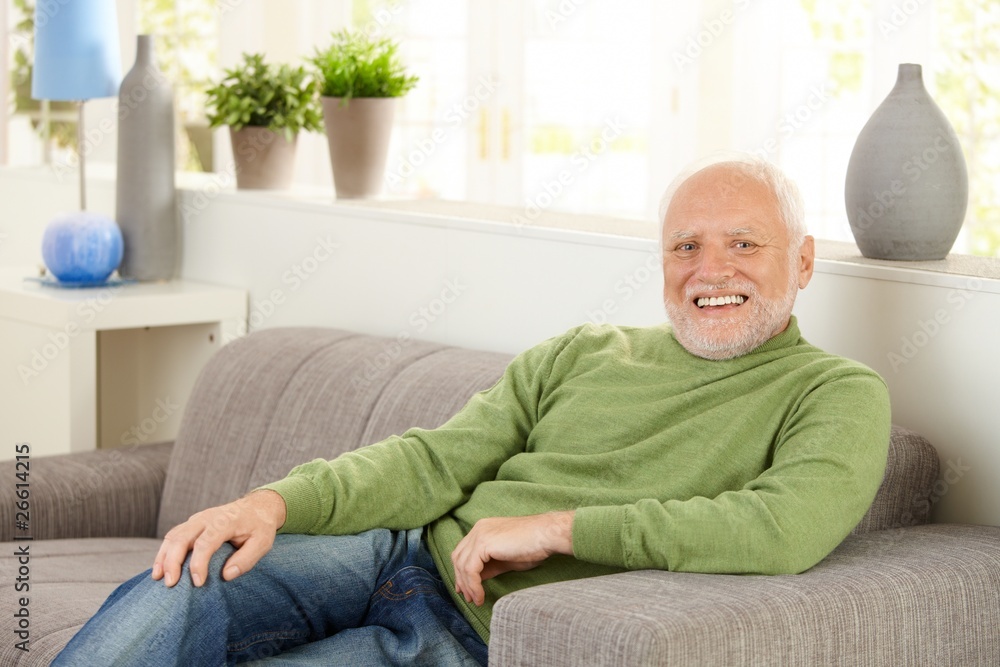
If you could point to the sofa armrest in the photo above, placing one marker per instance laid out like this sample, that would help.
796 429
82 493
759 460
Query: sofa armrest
104 493
920 595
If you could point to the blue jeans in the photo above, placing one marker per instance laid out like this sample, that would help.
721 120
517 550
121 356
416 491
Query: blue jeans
369 599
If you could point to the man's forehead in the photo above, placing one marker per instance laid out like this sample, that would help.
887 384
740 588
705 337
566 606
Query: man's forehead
702 208
690 233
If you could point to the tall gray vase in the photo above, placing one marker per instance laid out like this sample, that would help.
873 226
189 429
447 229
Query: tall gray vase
146 207
907 188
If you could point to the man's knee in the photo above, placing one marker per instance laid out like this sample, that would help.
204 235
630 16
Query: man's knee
218 559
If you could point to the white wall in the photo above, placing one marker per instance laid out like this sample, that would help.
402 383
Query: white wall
490 286
935 345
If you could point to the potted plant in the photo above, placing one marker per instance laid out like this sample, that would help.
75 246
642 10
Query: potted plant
265 107
360 77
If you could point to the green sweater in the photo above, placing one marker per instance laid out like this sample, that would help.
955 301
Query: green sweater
759 464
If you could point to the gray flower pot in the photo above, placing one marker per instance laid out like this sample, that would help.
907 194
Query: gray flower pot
265 159
358 134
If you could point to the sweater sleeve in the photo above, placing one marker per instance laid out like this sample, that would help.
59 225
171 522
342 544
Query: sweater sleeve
827 466
409 480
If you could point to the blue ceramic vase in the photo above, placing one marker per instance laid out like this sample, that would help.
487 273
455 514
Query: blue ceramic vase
82 248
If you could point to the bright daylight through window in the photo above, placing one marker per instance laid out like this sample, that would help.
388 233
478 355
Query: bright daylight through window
590 107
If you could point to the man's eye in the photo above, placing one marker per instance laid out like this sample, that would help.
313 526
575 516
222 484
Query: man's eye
744 245
686 247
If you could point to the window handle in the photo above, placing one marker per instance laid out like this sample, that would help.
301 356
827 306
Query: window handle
505 135
484 141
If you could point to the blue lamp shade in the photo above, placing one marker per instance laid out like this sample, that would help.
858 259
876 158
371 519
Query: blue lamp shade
77 56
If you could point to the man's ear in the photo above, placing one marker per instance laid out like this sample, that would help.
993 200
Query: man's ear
807 258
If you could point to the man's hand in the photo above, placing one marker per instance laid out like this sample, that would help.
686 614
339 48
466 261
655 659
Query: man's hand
503 544
249 524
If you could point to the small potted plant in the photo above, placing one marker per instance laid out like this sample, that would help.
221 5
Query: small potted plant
360 79
265 107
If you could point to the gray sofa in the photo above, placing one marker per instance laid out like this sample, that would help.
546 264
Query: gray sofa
896 591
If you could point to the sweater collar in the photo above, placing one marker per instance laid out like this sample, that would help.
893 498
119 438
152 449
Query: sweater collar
787 338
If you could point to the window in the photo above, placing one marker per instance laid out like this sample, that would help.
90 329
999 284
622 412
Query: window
186 45
34 130
520 104
591 107
666 83
186 50
967 87
814 70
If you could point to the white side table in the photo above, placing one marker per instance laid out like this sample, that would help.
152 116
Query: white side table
106 366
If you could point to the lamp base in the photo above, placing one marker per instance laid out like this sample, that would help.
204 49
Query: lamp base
82 248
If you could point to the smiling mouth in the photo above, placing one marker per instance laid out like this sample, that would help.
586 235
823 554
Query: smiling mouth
716 301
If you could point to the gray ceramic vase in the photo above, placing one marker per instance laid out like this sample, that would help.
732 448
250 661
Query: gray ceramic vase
146 208
907 188
358 135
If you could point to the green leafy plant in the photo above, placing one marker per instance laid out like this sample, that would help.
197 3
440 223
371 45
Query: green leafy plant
279 97
356 65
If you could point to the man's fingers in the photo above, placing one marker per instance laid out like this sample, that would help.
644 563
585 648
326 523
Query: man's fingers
501 544
158 564
195 533
473 593
497 567
468 566
249 523
248 555
471 575
171 557
204 547
470 586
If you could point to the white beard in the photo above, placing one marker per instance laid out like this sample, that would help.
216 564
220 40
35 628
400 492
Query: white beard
726 338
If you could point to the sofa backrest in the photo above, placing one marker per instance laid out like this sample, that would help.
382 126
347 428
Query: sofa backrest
280 397
907 492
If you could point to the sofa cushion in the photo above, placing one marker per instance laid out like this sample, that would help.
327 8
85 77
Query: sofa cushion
70 579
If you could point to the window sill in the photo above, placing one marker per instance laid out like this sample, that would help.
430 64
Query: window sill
844 258
959 271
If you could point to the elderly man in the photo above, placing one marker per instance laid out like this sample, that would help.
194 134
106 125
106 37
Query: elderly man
723 443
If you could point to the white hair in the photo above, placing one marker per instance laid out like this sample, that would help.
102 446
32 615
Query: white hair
790 205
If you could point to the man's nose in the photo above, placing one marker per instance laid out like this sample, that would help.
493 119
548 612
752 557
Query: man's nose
716 265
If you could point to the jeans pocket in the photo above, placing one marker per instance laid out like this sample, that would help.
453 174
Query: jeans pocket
408 582
416 601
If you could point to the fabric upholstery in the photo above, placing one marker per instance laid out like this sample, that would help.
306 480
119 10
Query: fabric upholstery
104 493
912 596
281 397
69 581
906 494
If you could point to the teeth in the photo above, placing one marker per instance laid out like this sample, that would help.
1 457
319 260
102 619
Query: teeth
720 300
